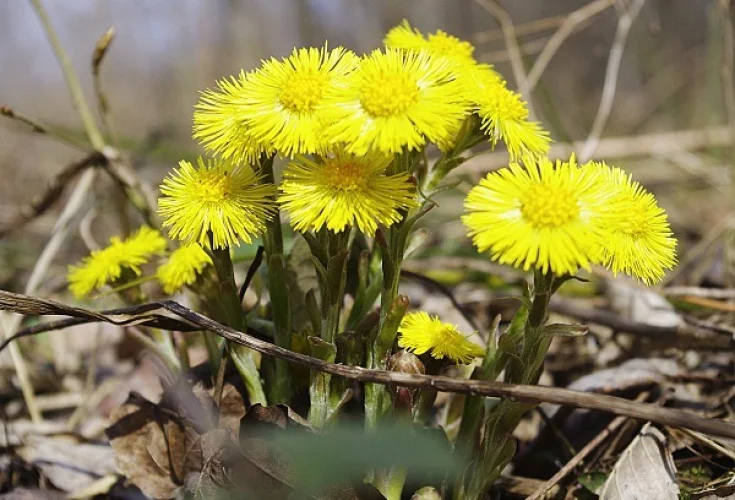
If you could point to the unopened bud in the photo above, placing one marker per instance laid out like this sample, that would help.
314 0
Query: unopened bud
426 493
406 362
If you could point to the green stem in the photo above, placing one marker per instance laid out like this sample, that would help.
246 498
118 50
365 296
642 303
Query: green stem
243 358
166 347
280 390
499 446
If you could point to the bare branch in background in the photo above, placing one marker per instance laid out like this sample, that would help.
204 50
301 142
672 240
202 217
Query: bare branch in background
618 147
511 42
611 79
570 24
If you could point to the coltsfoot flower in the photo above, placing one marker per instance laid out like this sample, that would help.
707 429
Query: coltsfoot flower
218 199
641 243
182 267
221 122
420 333
343 190
394 100
541 215
440 44
505 116
105 266
285 99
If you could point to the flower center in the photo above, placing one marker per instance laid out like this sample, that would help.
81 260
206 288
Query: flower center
638 223
303 91
214 188
345 175
545 206
387 94
509 106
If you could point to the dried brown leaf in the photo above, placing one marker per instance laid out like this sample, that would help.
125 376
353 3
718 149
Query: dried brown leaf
644 471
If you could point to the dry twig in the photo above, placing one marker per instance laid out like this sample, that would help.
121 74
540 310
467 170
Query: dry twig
570 24
611 79
153 313
511 42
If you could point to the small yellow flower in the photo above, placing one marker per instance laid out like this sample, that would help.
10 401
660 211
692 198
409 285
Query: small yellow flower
285 99
505 116
420 333
182 267
394 100
343 190
440 43
641 243
219 198
540 215
106 265
220 122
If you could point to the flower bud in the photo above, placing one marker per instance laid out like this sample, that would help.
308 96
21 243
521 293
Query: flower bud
405 362
426 493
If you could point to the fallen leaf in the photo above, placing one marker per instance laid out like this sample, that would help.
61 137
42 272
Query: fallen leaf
641 305
636 372
644 471
70 465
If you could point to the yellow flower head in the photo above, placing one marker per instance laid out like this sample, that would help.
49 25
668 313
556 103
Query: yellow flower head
220 122
106 265
285 99
505 116
220 198
420 333
342 190
440 43
394 100
540 215
182 267
641 243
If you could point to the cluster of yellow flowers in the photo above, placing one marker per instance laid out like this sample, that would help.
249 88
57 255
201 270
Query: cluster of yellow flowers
341 120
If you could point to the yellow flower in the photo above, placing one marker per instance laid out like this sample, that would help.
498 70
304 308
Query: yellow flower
106 265
182 267
641 243
220 122
395 100
285 99
505 116
440 43
420 333
219 198
545 216
343 190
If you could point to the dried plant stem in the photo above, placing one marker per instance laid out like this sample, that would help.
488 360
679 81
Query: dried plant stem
511 42
39 128
611 79
72 81
618 147
570 24
157 314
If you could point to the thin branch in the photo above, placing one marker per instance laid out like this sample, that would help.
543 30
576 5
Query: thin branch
683 335
72 81
611 79
511 42
42 129
618 147
531 27
568 27
42 202
517 392
582 454
100 50
694 291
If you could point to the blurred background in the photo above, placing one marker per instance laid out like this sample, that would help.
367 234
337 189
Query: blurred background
671 78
